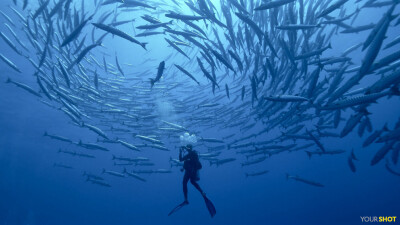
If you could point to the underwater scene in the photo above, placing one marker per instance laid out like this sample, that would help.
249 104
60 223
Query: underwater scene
199 112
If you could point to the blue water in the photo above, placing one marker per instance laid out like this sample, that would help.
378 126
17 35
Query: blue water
32 191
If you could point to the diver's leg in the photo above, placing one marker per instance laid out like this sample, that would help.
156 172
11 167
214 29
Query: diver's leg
196 185
184 182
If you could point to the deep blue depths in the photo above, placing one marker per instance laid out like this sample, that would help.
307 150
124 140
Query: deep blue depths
32 191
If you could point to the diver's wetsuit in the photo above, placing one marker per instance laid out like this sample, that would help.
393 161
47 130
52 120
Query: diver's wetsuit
190 164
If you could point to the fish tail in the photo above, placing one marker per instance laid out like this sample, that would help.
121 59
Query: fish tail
144 45
247 175
45 133
104 170
8 80
151 82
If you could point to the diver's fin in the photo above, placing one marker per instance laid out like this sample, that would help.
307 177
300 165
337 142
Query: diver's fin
210 206
178 207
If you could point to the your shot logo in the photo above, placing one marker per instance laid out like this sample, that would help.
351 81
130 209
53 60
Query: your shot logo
378 219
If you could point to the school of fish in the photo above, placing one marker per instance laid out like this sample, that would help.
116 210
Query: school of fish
245 69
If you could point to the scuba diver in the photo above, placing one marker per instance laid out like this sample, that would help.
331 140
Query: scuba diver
192 165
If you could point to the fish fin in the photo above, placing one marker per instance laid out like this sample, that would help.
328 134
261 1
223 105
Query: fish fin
8 80
308 154
353 156
385 128
394 16
317 109
395 91
90 17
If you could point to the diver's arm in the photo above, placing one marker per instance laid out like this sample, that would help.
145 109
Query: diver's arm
182 158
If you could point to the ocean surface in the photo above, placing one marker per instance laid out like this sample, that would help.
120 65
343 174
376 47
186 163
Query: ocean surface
34 191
